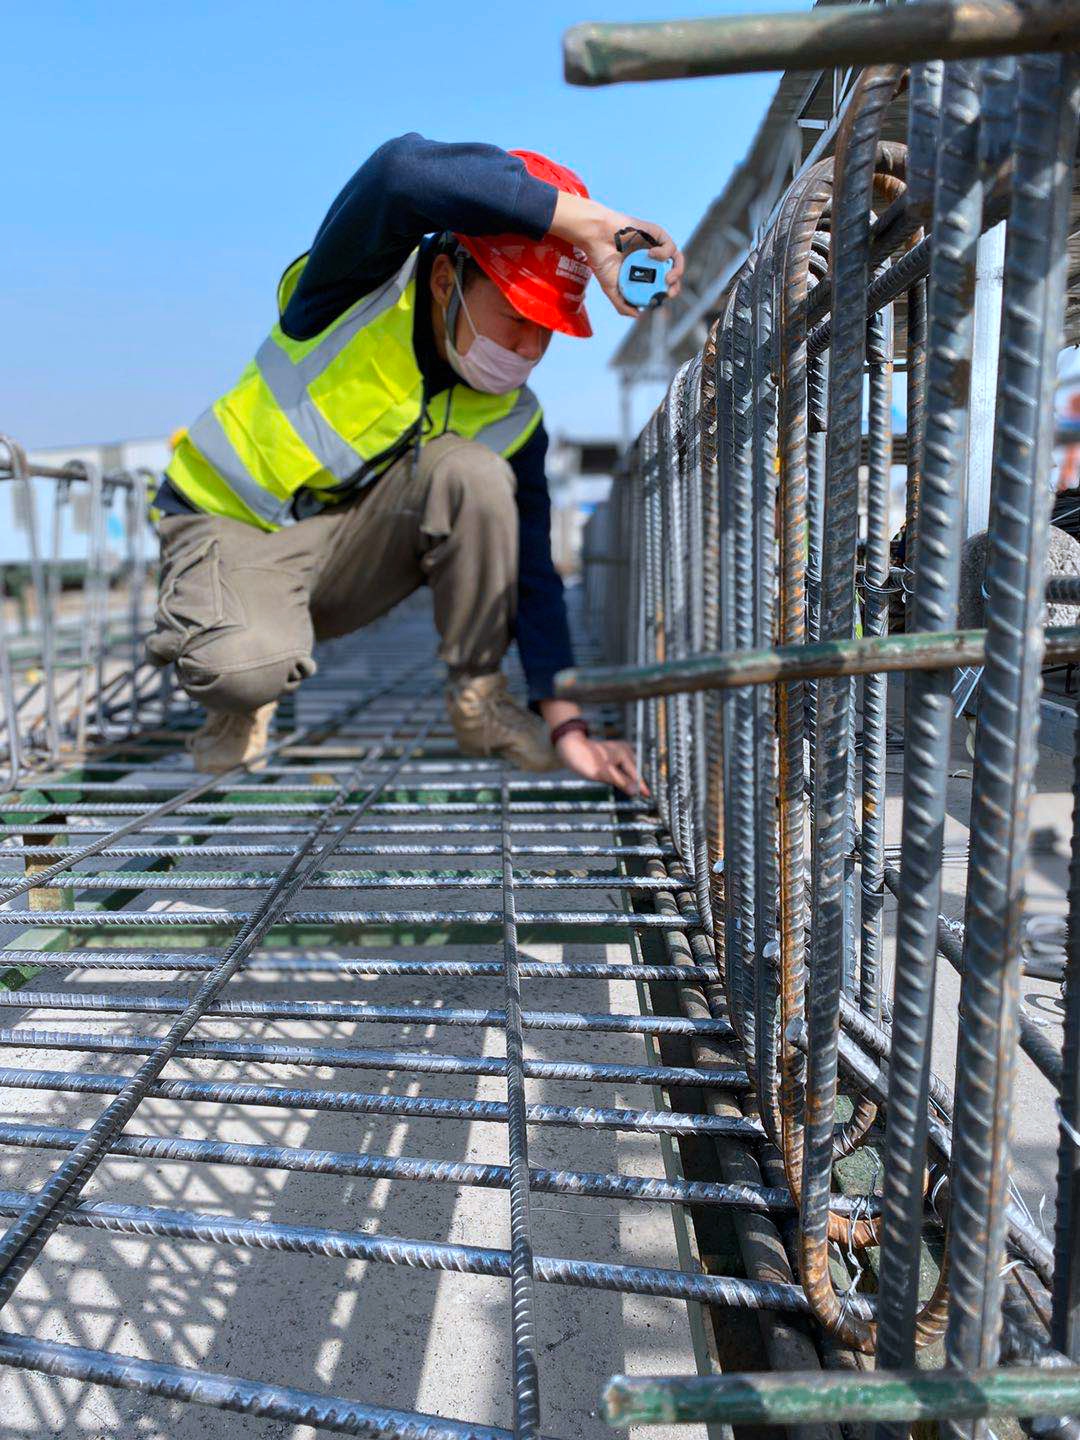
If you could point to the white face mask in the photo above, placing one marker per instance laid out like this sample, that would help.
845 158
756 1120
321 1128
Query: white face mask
485 365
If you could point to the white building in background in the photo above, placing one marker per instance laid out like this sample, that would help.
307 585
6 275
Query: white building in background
579 477
150 453
579 470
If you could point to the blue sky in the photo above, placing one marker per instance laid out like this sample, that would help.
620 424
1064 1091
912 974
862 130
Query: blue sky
163 163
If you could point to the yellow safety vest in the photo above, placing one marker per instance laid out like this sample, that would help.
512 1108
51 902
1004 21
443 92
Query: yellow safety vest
312 421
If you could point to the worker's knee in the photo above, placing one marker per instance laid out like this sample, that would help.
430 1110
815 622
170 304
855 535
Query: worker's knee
242 688
471 487
234 667
239 634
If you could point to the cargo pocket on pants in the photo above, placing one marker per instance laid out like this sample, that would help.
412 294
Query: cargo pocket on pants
190 601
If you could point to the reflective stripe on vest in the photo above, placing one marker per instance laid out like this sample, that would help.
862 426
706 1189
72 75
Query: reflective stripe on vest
311 421
208 436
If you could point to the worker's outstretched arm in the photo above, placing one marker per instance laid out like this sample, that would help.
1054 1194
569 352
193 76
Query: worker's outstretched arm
543 635
542 631
411 187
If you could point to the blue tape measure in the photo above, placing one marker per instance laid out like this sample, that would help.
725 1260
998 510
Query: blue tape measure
642 280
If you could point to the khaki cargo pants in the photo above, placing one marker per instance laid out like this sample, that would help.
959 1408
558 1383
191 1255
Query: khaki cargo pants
239 609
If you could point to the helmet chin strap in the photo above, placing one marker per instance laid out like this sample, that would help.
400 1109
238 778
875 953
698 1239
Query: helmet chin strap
453 306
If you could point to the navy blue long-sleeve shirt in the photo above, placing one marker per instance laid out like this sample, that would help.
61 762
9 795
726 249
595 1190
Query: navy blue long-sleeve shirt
408 189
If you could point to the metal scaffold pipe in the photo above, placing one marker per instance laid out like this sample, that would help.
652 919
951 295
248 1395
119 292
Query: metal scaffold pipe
869 655
606 54
895 1395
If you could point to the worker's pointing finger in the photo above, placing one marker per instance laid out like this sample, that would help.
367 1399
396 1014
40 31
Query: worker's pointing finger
627 779
613 775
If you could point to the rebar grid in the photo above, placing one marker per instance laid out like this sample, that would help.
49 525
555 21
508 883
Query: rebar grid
410 837
795 585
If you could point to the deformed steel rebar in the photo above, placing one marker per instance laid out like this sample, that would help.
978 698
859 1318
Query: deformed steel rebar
873 245
23 1241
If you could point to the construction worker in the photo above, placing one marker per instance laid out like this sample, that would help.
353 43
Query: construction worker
384 438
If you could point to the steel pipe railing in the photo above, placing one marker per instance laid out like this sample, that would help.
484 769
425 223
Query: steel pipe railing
72 667
843 35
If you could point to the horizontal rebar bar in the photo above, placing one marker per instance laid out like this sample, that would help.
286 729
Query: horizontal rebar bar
254 784
201 1228
397 827
222 852
173 960
407 1061
146 880
236 1092
186 919
371 1166
1063 589
270 808
340 1011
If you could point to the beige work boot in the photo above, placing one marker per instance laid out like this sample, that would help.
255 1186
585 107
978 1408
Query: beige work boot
226 740
487 721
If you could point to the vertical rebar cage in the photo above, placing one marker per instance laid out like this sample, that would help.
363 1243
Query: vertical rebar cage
767 589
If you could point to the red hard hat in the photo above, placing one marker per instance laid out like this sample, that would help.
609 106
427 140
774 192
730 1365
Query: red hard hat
545 279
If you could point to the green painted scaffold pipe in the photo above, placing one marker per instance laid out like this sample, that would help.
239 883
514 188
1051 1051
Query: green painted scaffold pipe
840 1396
732 668
838 35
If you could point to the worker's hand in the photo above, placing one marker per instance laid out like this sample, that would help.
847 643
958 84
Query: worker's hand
611 762
592 226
